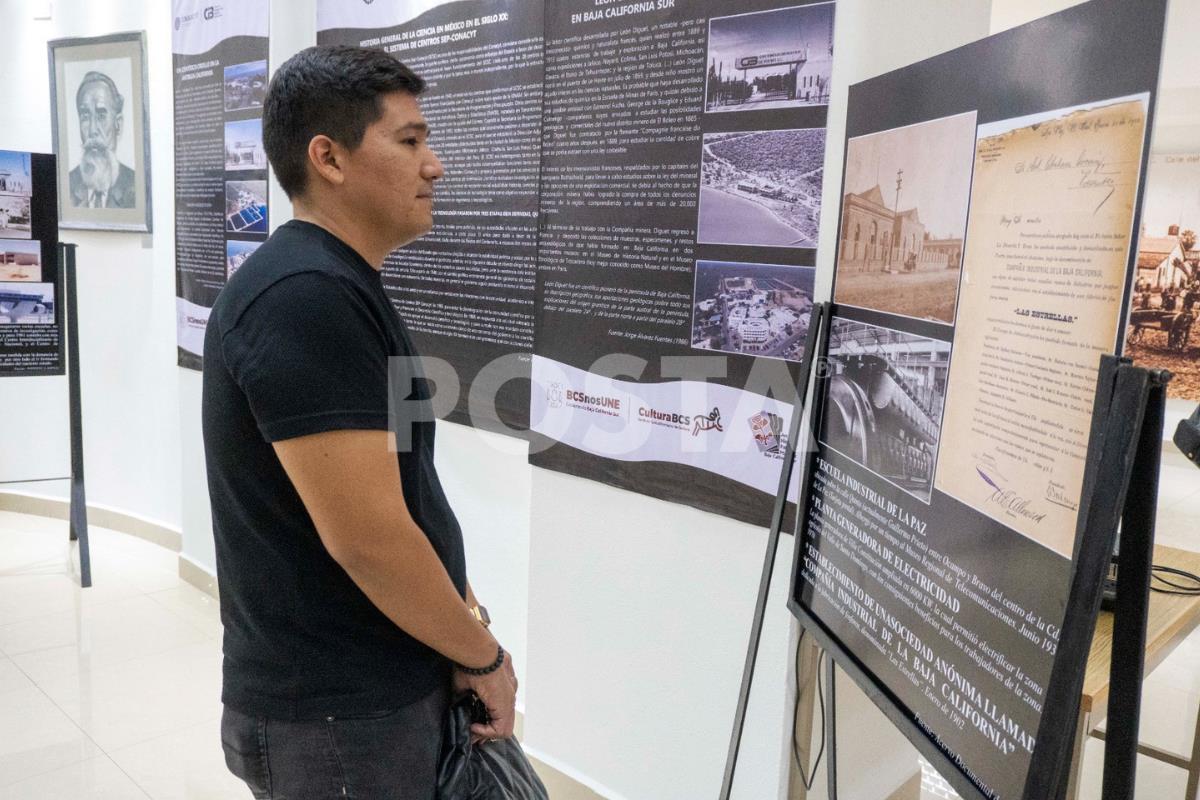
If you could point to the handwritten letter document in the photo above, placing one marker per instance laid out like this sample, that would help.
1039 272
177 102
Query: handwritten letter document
1044 269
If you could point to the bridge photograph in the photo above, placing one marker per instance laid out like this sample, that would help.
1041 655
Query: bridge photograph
770 59
26 303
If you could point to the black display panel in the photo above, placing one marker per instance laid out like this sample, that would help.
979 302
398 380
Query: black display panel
31 301
985 256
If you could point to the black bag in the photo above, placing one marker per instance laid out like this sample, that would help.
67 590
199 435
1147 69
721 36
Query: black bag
496 770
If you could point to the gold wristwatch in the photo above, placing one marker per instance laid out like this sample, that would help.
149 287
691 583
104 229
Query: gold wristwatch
481 614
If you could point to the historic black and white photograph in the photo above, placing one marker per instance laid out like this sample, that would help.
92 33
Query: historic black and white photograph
100 132
752 309
243 145
885 395
770 59
236 253
245 85
16 189
20 260
246 206
904 216
762 187
26 303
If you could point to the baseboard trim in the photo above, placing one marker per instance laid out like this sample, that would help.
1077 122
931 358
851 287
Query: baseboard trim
100 516
571 784
198 576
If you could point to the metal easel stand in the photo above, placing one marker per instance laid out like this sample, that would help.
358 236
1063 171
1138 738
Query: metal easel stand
817 318
78 510
1120 486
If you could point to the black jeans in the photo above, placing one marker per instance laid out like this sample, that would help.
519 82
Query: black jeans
388 755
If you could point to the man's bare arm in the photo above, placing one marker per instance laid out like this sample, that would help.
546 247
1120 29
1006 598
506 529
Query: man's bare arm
349 481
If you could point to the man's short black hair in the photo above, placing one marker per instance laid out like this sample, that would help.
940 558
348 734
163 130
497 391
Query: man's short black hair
330 90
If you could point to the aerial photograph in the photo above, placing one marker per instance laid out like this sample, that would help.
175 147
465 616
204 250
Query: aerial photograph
762 187
752 309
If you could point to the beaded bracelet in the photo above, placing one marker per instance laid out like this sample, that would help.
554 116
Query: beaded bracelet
488 670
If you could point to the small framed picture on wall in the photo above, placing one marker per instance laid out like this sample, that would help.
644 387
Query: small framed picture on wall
101 132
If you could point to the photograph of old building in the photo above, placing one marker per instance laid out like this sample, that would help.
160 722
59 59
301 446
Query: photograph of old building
770 59
16 188
243 145
1162 329
903 218
884 399
752 309
20 260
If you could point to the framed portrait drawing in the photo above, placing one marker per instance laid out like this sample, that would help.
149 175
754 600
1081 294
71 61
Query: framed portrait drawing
101 132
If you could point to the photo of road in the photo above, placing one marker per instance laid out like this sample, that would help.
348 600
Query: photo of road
762 187
752 309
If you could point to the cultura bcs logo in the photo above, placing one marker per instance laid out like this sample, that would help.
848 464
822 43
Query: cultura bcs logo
212 12
554 395
708 422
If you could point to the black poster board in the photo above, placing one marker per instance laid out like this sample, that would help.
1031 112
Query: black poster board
219 56
680 204
466 289
946 606
31 310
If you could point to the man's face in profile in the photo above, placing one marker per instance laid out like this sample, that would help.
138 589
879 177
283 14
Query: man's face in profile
99 128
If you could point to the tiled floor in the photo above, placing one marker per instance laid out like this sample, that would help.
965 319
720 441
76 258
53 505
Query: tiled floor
110 692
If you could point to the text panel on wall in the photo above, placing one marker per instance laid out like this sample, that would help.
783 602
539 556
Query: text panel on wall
680 205
31 306
220 83
985 255
466 289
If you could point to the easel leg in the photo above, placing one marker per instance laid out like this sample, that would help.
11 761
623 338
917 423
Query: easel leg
1194 765
1082 728
806 679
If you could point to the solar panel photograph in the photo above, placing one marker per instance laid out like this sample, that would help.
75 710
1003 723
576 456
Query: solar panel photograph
246 206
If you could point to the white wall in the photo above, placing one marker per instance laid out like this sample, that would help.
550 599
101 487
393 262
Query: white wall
126 290
639 610
1177 118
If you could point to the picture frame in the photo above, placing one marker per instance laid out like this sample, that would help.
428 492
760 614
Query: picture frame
101 129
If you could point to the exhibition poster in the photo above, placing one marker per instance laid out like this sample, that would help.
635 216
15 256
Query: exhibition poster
986 245
680 206
1162 329
466 289
220 82
31 311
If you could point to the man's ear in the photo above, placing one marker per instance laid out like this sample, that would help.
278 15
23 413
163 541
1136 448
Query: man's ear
118 125
324 155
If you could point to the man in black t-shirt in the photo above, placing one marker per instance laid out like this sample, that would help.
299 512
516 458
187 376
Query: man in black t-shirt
348 617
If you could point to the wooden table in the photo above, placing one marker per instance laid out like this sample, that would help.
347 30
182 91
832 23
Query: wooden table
1170 620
